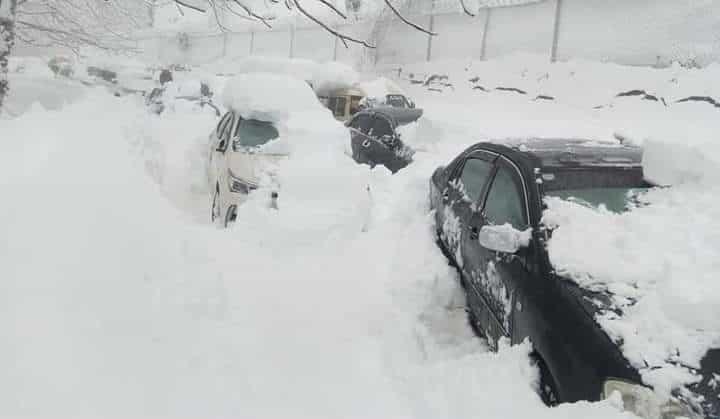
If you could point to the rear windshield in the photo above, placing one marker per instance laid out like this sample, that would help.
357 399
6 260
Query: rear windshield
396 101
614 189
254 133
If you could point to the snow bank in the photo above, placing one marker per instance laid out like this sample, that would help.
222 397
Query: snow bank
577 83
268 97
117 304
379 88
333 75
660 262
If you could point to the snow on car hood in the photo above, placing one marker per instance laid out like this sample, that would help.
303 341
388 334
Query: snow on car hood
660 261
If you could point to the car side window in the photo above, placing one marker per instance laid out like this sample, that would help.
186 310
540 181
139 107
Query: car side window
381 128
474 175
254 133
505 202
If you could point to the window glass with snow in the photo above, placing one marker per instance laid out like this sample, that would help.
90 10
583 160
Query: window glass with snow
254 133
615 190
361 122
397 101
474 174
381 128
505 203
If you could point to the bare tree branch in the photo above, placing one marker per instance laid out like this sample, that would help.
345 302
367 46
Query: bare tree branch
344 38
465 9
407 22
189 6
252 14
333 8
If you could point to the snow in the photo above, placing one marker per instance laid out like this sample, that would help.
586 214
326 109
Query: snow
666 285
379 88
660 258
127 307
324 77
119 299
268 97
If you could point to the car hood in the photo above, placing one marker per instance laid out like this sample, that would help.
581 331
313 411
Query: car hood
706 391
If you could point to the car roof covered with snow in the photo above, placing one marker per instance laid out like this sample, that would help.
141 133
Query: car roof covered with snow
269 97
567 152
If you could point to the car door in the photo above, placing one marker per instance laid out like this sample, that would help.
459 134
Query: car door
494 275
218 146
219 152
460 199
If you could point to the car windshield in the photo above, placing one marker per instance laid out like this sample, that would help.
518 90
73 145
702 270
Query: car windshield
613 189
254 133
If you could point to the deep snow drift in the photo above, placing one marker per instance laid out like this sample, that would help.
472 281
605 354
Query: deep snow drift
120 300
117 304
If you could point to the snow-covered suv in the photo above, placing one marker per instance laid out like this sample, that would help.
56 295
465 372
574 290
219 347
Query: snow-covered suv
269 118
237 161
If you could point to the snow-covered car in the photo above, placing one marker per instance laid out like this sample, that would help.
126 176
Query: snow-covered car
489 204
375 140
192 92
61 66
267 114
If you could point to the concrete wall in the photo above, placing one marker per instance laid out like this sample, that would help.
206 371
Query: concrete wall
637 32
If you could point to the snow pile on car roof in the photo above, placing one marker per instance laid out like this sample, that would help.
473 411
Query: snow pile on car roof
379 88
269 97
324 77
660 262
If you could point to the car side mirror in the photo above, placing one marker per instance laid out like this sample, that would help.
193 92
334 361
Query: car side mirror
503 238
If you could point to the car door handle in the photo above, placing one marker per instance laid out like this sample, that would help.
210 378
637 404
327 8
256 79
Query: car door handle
474 233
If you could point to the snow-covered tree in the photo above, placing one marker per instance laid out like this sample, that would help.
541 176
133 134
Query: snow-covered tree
7 36
72 24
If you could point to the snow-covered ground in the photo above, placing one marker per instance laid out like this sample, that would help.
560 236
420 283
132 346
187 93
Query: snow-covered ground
119 299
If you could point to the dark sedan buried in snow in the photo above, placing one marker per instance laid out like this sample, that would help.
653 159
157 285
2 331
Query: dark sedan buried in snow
488 204
375 140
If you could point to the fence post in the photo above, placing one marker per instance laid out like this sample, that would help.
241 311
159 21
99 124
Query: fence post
431 27
252 42
292 40
556 31
225 41
483 41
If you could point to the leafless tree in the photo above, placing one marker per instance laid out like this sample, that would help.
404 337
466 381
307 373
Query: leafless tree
7 37
72 24
242 9
107 24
